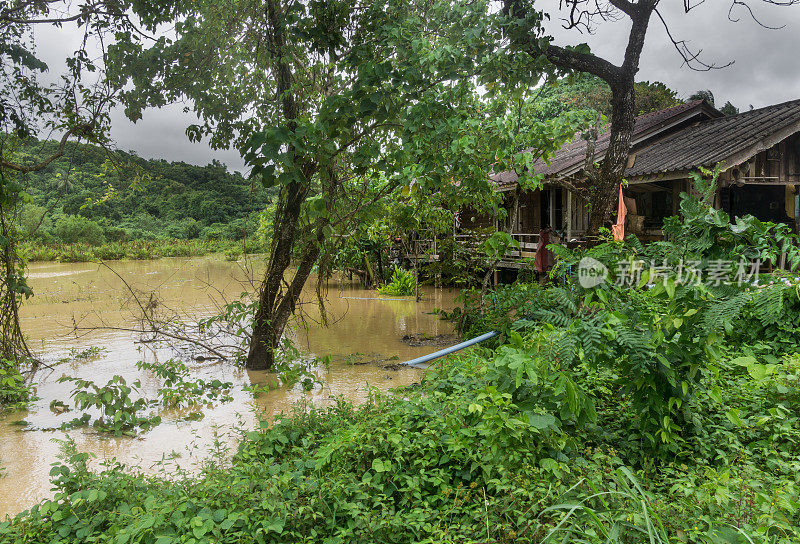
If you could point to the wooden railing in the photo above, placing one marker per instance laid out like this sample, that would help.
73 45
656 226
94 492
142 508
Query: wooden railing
428 248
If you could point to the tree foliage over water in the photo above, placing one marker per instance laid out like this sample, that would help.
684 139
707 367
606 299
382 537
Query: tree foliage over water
71 103
328 101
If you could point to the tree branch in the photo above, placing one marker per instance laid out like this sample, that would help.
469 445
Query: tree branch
691 59
83 129
582 62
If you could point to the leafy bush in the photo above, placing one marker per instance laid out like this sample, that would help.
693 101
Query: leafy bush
502 307
179 392
403 283
217 231
119 413
34 222
14 392
72 229
186 228
494 446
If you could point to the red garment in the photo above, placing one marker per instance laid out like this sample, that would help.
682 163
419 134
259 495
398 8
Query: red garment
543 260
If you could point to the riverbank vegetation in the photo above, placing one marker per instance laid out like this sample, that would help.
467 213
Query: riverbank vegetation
657 410
644 408
476 454
138 250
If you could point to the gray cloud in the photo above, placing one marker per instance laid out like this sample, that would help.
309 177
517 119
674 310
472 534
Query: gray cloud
160 134
765 69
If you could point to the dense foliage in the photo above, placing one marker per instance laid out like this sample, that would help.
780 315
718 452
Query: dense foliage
475 455
139 249
402 282
655 411
587 92
14 391
92 196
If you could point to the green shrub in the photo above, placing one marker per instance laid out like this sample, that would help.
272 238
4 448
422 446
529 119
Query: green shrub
493 447
72 229
14 392
34 222
119 412
178 391
403 283
217 231
185 229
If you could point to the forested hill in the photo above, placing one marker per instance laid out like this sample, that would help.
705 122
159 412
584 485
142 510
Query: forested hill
93 195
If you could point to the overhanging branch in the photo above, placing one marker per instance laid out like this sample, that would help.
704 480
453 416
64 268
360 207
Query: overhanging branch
582 62
79 130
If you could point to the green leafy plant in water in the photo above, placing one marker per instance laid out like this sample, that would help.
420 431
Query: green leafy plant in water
179 392
232 254
259 389
234 323
119 412
87 354
14 392
403 283
293 367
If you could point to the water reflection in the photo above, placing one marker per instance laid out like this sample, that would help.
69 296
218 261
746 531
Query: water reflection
361 322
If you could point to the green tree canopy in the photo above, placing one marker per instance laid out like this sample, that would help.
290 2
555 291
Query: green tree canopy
315 94
587 92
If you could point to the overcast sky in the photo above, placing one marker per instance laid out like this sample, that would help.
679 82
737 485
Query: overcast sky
766 67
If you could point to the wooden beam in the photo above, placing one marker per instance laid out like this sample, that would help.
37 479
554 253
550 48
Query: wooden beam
569 215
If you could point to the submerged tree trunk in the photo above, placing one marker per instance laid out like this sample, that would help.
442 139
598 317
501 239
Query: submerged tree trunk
266 332
277 301
13 347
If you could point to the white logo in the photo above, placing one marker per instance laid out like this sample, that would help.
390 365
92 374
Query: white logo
591 272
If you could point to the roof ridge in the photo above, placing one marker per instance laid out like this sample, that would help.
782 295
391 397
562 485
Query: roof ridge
687 105
758 110
731 118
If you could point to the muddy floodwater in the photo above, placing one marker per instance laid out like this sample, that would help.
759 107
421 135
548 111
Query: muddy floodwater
364 338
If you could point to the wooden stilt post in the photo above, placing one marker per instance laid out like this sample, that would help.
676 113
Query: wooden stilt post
569 215
797 208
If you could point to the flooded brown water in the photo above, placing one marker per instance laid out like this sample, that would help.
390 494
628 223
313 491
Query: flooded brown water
364 327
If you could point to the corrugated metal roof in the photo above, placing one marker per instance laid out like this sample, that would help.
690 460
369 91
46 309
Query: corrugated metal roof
738 137
572 156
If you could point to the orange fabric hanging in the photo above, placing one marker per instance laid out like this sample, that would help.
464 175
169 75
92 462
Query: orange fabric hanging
618 230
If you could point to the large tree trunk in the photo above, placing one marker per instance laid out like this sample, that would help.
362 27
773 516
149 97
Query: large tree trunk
603 182
267 328
604 185
275 305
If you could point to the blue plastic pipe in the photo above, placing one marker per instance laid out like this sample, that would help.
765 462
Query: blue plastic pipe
447 351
